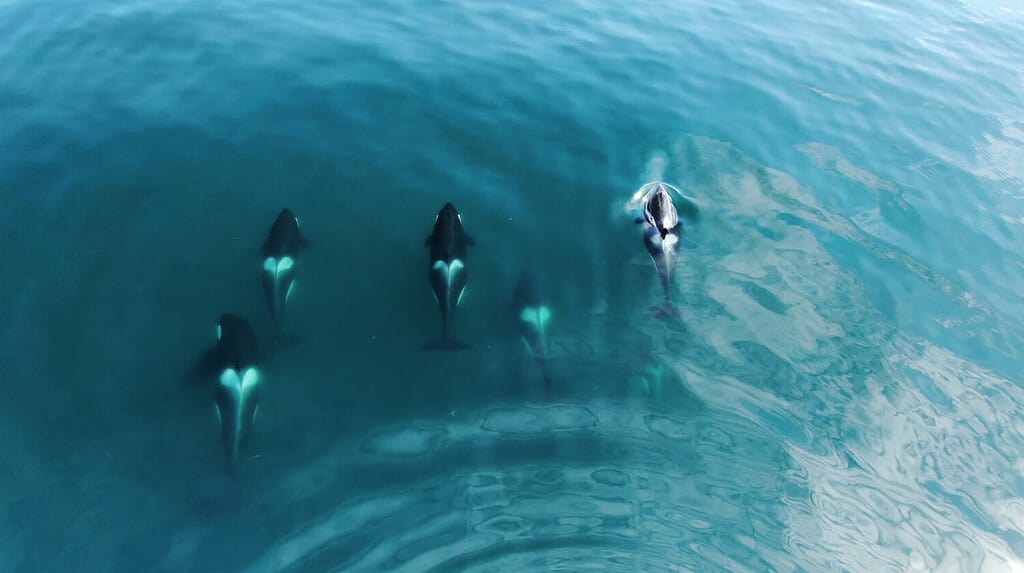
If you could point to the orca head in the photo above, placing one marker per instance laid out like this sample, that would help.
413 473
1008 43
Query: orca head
448 229
449 216
661 211
286 222
284 237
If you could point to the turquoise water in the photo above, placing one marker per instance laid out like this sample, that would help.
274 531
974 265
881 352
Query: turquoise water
840 392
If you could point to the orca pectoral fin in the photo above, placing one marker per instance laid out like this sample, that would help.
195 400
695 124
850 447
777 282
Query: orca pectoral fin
469 240
304 241
639 220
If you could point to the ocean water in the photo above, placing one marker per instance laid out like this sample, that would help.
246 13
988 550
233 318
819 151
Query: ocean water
840 391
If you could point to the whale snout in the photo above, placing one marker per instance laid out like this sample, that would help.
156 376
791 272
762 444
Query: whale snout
448 210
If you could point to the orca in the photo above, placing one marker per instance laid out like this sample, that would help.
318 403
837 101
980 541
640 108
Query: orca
533 314
280 253
449 244
662 231
233 366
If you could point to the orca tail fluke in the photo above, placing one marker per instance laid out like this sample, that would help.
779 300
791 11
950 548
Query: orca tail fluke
445 342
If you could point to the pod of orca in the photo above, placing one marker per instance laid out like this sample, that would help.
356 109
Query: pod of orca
232 366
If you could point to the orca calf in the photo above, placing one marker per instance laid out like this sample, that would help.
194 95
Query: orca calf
449 245
280 252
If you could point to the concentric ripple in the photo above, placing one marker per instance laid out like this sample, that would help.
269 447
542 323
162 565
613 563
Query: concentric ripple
559 487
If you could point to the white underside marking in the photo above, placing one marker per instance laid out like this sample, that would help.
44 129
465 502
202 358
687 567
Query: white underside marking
449 271
276 268
537 316
241 389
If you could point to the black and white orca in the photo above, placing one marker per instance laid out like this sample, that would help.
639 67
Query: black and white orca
662 231
280 252
532 315
233 365
449 244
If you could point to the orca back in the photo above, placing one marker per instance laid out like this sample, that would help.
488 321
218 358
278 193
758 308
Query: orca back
660 211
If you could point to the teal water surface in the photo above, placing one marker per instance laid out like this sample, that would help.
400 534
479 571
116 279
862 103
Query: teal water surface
841 390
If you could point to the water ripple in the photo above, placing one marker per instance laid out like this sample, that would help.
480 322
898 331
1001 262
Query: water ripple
448 517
